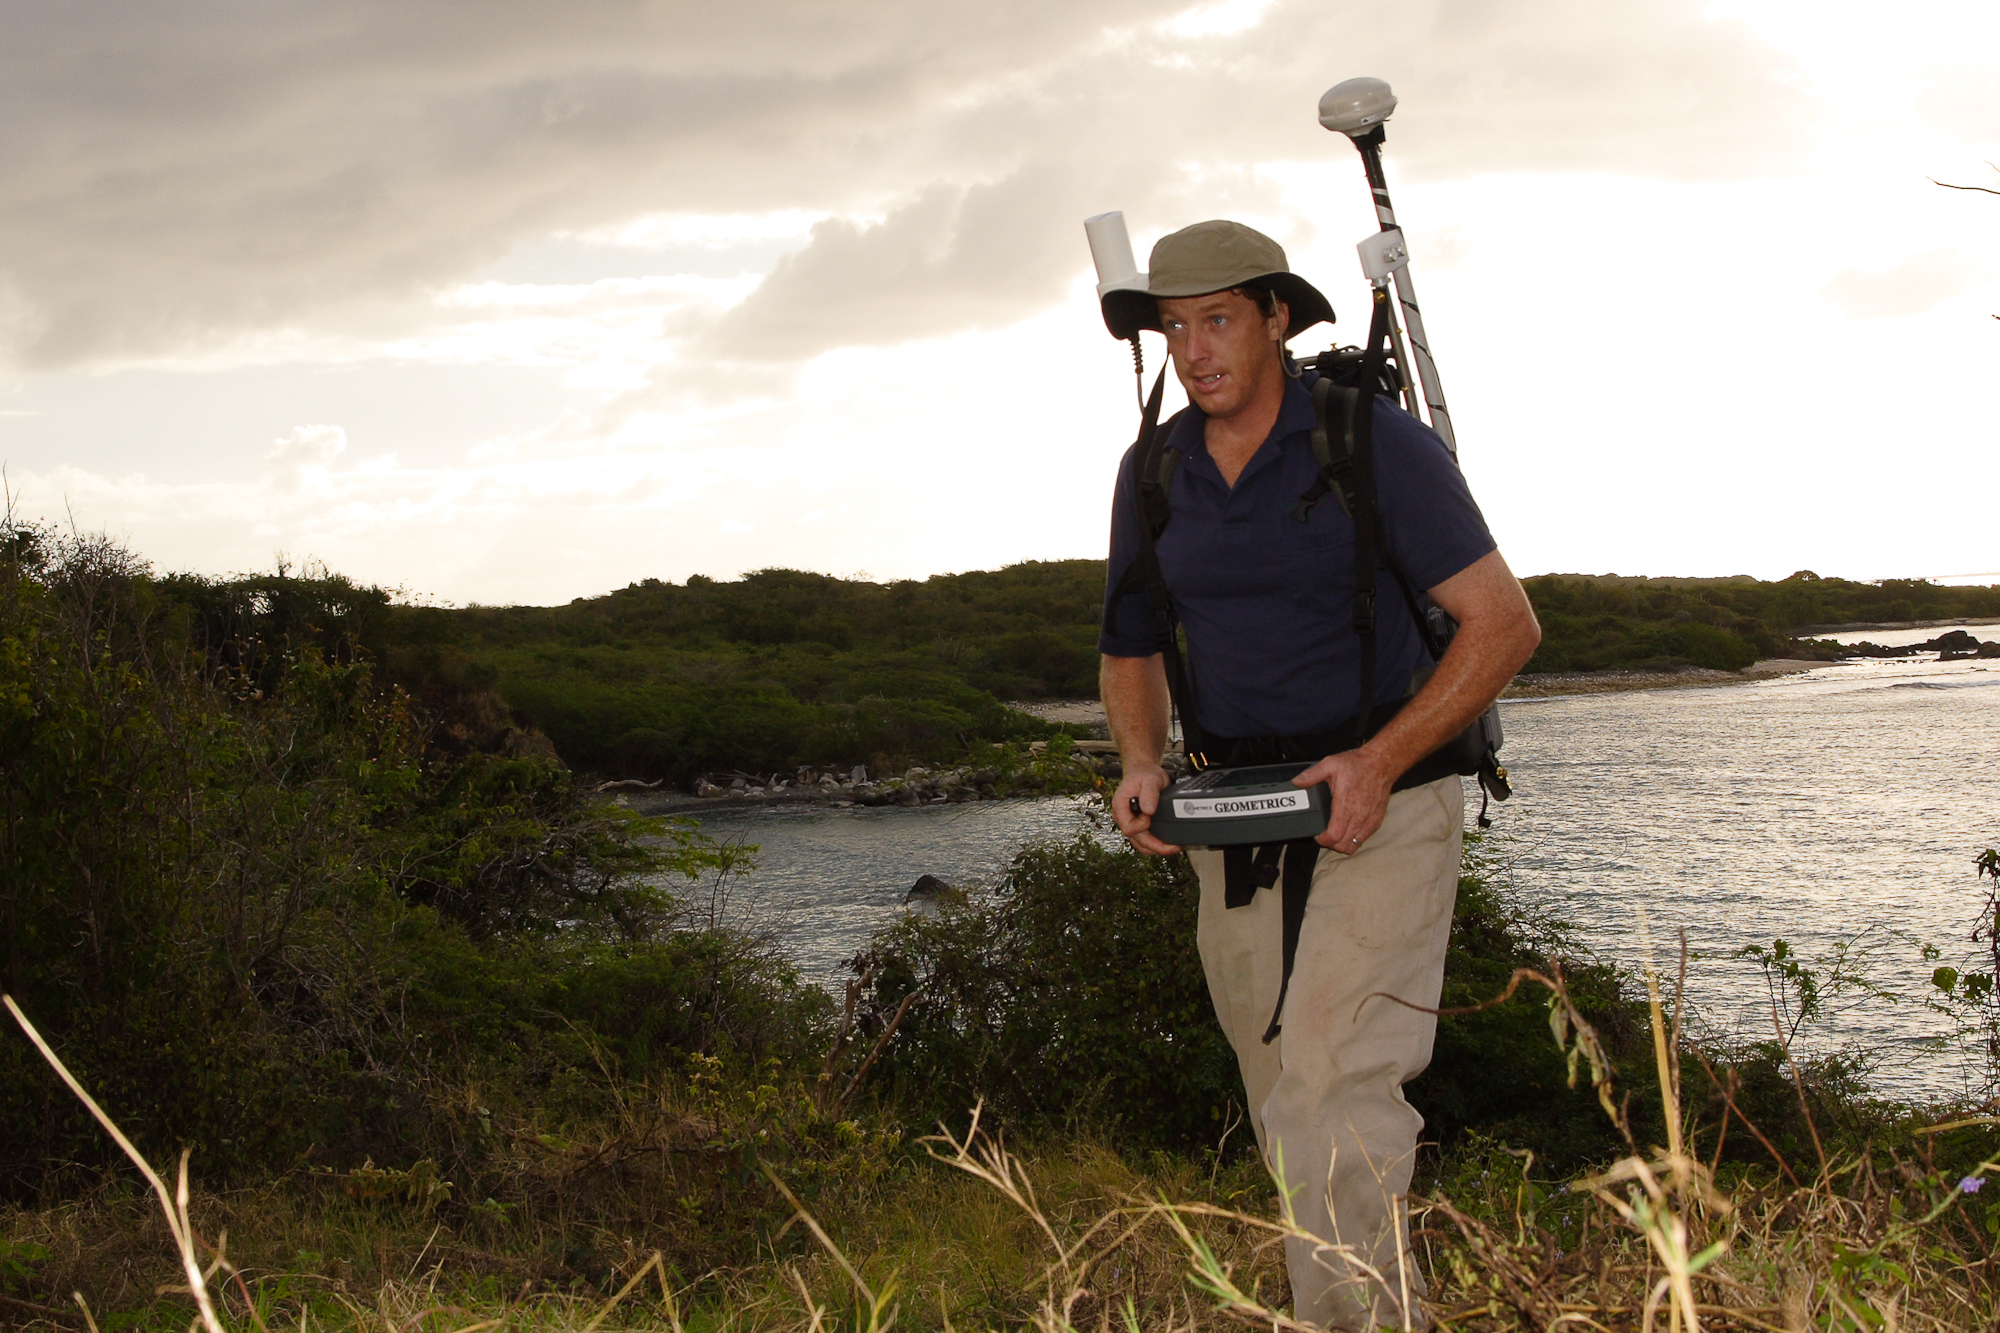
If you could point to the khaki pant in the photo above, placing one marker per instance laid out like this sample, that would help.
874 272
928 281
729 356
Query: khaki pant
1327 1094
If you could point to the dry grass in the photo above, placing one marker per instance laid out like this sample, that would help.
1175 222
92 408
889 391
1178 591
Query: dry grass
942 1249
1817 1258
1072 1237
1654 1241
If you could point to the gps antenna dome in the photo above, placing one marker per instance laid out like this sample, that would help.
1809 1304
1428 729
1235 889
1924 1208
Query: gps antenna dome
1356 106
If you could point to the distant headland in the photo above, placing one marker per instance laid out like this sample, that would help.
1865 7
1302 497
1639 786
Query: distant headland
784 670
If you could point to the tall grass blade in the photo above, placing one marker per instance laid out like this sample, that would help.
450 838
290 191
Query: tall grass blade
177 1221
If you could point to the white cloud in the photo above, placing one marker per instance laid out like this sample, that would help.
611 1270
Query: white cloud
666 231
609 333
304 458
1215 20
191 180
814 290
1916 284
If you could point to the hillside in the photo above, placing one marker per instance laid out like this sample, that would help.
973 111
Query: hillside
1604 622
783 668
775 670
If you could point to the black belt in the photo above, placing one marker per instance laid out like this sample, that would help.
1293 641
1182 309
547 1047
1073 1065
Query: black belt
1454 757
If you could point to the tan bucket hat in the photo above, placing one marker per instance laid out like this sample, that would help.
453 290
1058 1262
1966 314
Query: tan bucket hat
1213 257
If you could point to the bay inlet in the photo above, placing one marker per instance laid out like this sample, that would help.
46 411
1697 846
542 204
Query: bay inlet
1843 802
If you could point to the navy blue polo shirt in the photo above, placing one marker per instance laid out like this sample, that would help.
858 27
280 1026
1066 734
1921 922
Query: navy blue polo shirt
1268 601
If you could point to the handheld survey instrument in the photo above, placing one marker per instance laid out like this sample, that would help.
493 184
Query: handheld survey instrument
1226 807
1231 802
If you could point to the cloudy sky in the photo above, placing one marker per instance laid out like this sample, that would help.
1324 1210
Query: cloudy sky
512 302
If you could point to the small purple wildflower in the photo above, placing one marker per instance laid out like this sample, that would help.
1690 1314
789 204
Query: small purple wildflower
1970 1185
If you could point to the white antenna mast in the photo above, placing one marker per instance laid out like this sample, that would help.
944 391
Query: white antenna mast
1359 109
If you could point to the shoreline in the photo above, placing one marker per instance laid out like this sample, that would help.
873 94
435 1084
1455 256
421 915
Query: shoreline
1541 685
1089 714
1863 627
1549 684
1069 772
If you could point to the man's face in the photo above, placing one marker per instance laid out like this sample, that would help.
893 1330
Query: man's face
1224 348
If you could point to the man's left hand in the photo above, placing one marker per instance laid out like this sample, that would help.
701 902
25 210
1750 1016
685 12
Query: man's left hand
1359 786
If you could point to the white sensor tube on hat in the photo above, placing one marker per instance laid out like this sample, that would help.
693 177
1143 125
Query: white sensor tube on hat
1111 252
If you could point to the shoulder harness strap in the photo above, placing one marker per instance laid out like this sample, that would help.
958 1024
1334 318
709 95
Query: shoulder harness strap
1336 470
1154 467
1346 413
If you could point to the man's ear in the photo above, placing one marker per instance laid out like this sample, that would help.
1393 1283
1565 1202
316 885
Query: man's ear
1279 322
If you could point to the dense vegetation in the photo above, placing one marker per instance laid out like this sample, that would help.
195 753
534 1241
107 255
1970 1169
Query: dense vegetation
375 955
276 910
781 669
1603 622
281 911
1104 939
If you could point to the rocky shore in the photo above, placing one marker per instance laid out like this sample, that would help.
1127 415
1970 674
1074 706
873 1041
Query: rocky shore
1863 626
1543 684
1073 766
1042 769
1953 646
1090 713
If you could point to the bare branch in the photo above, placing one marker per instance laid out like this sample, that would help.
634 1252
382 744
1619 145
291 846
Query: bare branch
1978 189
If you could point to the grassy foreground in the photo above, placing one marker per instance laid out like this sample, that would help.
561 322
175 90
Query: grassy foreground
1070 1234
1709 1188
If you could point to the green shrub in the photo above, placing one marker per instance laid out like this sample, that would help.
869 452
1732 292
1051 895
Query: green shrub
1498 1073
1073 993
261 912
1707 646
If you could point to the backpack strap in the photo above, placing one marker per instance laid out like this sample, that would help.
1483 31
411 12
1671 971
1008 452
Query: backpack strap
1367 525
1154 467
1336 470
1246 869
1350 475
1163 474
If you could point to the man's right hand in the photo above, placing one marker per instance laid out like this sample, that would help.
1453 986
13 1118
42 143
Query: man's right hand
1143 785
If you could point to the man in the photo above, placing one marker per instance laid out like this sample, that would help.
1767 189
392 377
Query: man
1267 604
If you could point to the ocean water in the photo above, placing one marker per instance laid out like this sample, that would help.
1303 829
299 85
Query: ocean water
1846 802
826 879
